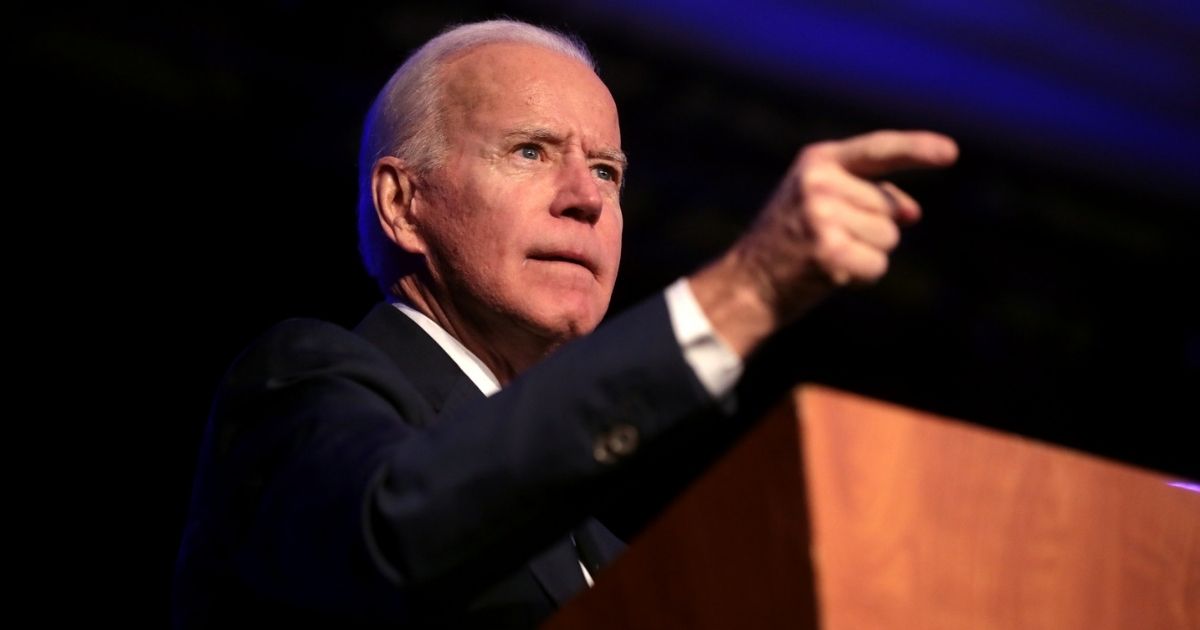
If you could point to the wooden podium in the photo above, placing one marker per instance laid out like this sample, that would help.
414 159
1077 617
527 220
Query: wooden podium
840 512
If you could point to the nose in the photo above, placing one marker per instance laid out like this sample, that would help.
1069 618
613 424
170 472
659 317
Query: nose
578 193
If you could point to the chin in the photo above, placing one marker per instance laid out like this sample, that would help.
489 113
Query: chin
569 327
565 320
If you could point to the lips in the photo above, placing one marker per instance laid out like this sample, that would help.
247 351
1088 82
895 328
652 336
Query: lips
564 255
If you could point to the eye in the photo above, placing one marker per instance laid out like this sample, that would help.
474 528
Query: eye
530 151
606 172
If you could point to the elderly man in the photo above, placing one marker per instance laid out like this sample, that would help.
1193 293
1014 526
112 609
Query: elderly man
438 466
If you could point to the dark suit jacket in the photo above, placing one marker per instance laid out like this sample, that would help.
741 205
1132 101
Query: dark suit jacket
359 479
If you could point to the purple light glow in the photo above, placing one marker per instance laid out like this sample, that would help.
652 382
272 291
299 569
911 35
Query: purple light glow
1186 485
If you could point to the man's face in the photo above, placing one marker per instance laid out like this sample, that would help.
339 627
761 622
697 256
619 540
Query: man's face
522 220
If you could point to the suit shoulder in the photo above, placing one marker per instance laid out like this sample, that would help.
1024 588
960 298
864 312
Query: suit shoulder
304 349
307 341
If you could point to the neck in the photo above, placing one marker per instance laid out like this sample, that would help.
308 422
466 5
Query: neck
506 347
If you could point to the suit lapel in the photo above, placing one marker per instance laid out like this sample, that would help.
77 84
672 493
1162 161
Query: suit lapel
427 366
598 547
444 387
557 570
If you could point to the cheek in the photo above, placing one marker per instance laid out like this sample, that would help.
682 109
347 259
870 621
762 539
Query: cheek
480 231
612 238
615 257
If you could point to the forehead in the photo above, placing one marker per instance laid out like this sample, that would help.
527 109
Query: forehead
516 82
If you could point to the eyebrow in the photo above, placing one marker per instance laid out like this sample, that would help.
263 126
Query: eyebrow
542 134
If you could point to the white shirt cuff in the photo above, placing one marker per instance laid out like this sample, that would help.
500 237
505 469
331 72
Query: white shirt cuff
716 365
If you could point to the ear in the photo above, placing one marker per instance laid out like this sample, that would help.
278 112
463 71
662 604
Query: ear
393 189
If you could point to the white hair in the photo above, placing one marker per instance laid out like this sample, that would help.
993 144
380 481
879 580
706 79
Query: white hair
406 121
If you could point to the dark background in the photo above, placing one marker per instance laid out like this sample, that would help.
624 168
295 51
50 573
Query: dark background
192 174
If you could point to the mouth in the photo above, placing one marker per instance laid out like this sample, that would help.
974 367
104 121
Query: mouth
563 257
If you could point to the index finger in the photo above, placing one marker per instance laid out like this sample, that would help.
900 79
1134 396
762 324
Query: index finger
881 152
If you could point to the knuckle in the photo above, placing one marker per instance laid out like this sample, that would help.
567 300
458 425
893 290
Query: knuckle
815 179
813 154
832 246
881 267
891 236
874 267
819 210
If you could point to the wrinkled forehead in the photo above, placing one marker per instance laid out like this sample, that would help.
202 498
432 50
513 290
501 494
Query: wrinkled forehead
516 78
